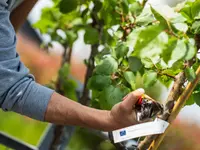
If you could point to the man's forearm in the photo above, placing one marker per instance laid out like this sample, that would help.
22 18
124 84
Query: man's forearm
19 14
63 111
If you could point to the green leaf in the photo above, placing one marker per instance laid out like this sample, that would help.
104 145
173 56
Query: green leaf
150 54
178 23
179 18
191 51
136 8
191 11
195 66
107 13
165 80
146 36
135 63
197 88
130 78
186 12
197 98
180 51
190 74
110 96
91 36
160 18
177 66
145 18
133 37
147 62
84 13
183 27
190 101
118 34
168 49
101 54
195 11
99 82
170 72
67 6
108 66
97 5
149 79
44 24
64 71
71 37
196 27
67 86
106 38
125 7
47 20
121 50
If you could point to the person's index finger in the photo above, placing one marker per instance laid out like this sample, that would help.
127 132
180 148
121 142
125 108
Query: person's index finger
132 99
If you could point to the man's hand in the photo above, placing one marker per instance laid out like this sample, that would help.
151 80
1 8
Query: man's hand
64 111
123 114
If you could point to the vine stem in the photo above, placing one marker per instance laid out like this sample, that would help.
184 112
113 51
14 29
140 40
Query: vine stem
178 106
85 96
69 55
59 129
171 76
94 50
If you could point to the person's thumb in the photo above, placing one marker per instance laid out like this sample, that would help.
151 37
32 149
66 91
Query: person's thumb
131 99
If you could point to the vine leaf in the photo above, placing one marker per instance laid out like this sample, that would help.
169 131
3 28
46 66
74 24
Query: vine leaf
195 11
190 74
163 21
147 36
67 6
183 27
135 8
71 37
191 11
97 5
121 50
196 27
67 85
107 66
125 6
165 80
149 79
99 82
91 36
135 63
130 78
196 98
145 18
168 49
110 96
191 51
190 101
180 51
47 20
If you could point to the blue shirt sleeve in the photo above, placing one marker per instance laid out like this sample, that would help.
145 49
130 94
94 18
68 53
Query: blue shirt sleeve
18 90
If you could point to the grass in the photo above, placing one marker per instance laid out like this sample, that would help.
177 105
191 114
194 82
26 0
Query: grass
20 127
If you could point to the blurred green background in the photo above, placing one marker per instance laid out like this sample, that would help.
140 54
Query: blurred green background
23 128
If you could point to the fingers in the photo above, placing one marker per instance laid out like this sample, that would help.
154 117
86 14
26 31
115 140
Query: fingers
131 99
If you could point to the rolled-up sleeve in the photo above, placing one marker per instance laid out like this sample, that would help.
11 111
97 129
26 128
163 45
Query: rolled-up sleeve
18 90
